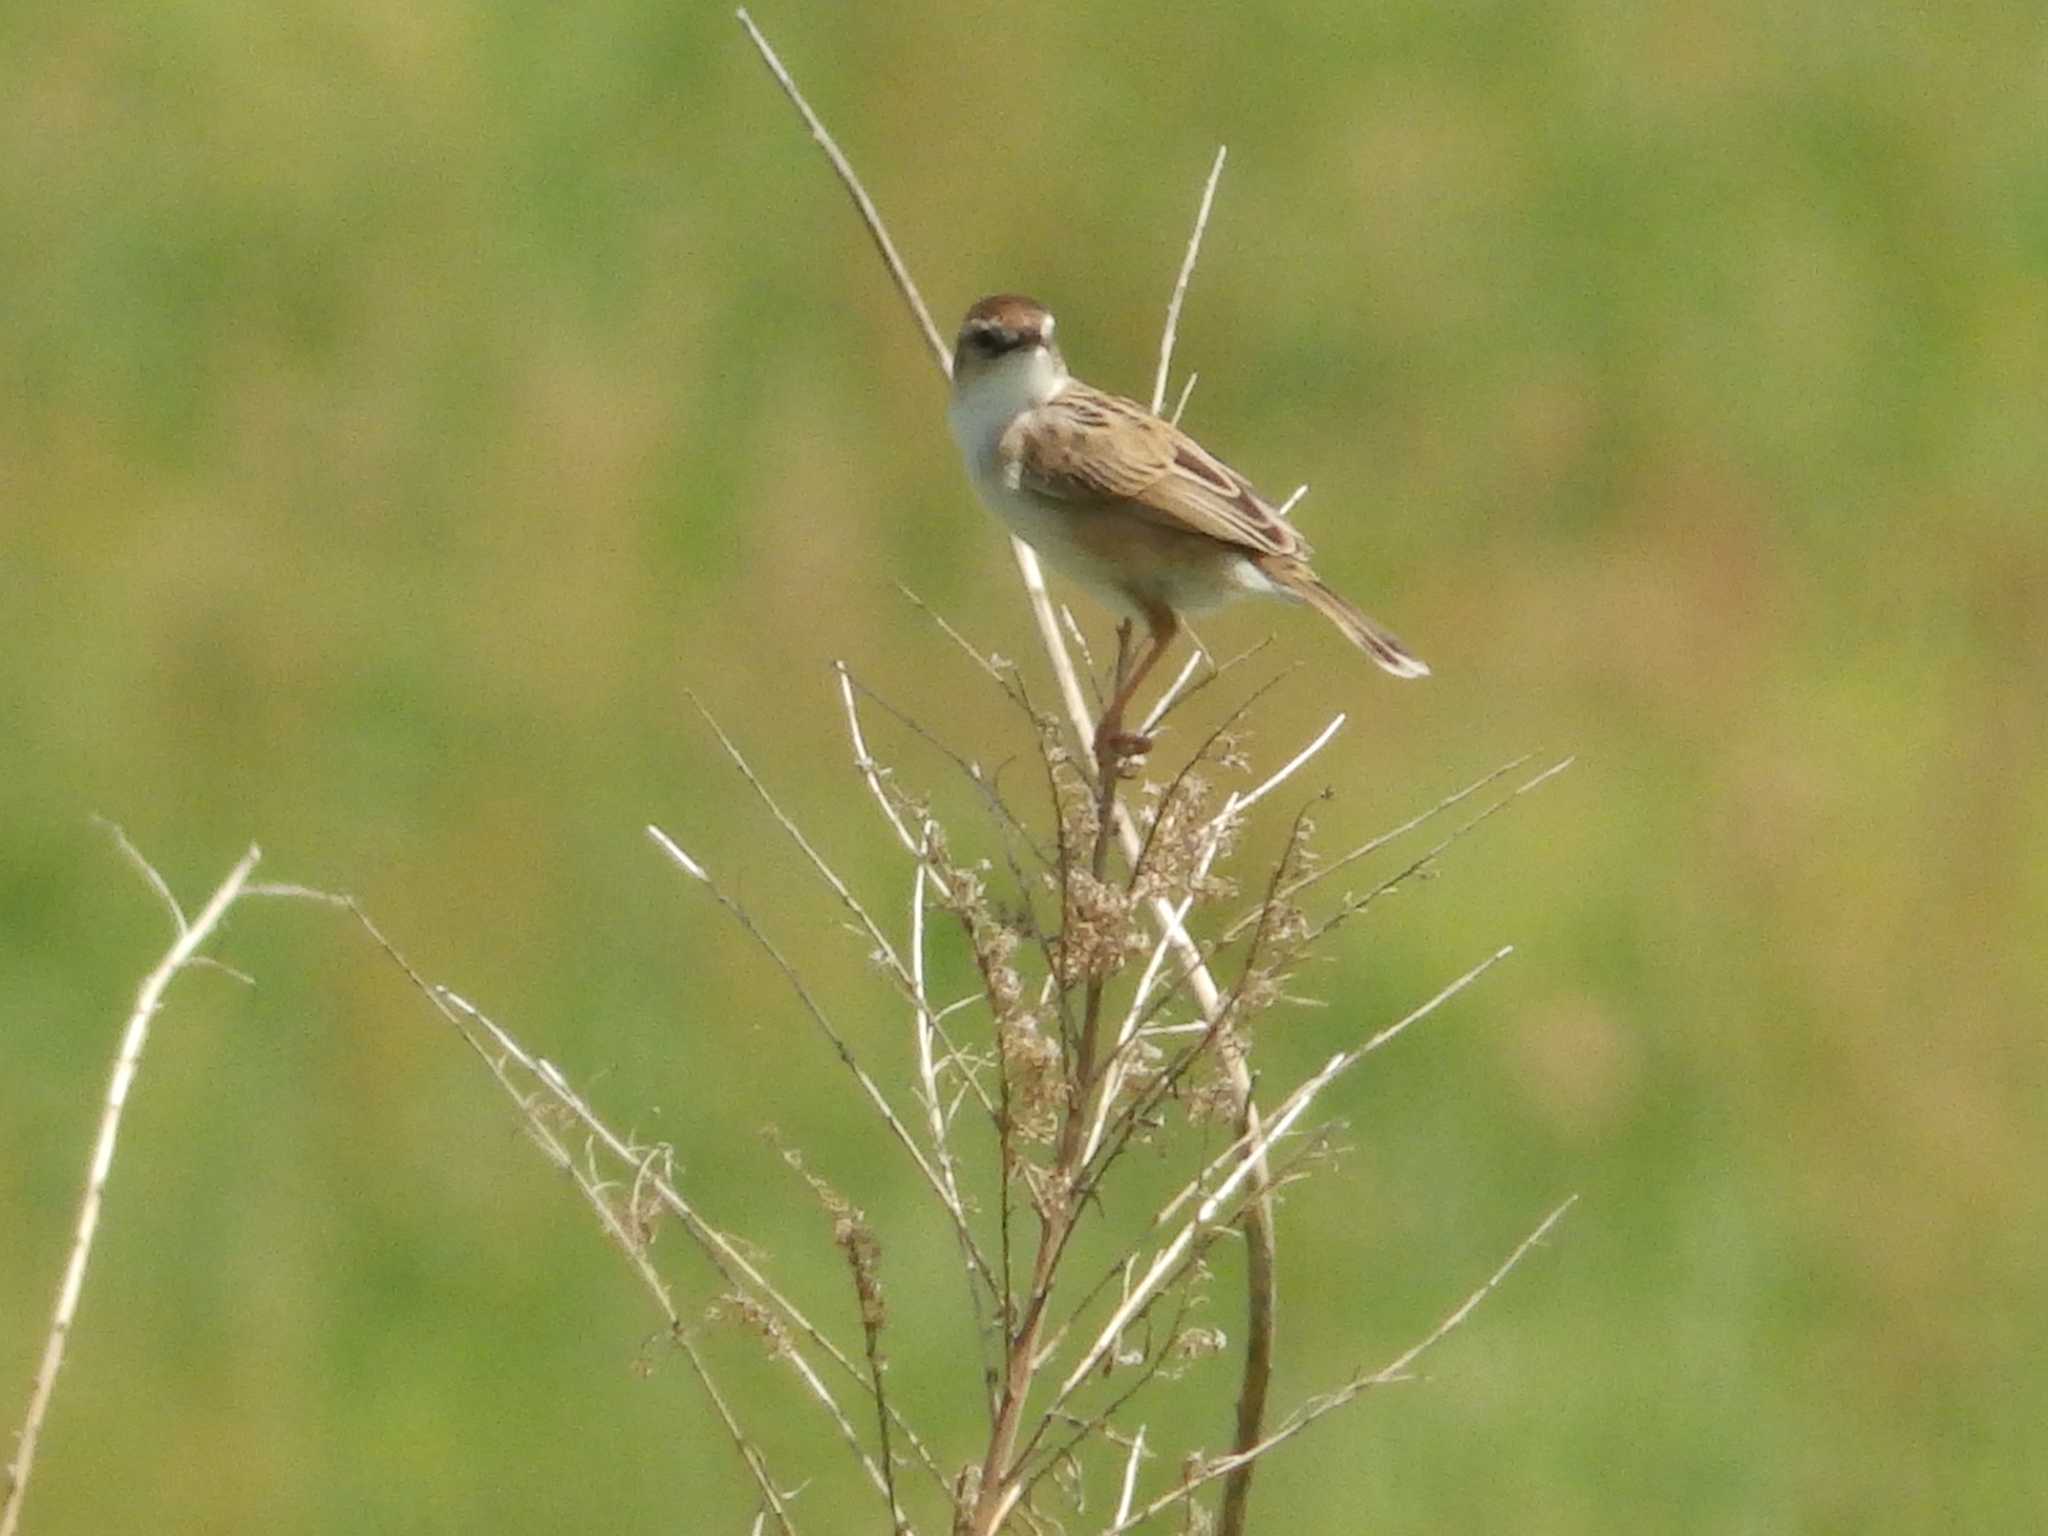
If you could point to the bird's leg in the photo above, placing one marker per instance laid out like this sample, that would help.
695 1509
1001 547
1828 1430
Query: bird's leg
1112 742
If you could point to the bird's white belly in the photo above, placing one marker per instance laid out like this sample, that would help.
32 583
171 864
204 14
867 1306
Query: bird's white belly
1130 563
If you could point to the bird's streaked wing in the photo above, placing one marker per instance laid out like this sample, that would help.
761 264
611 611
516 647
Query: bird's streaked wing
1084 445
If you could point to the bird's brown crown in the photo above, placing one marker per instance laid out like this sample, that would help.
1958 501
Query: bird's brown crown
1003 322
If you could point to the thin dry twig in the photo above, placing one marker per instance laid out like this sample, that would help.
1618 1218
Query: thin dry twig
1172 693
633 1242
1028 569
739 1272
149 997
869 215
871 774
1351 906
1250 1148
559 1091
1309 1412
948 1198
149 872
1180 288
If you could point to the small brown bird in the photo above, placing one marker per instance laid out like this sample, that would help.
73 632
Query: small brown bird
1125 503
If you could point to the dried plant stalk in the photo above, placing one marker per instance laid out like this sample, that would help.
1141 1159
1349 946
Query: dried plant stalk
191 937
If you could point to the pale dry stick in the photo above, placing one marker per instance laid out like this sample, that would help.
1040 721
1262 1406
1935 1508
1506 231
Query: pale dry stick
884 948
1180 285
926 1023
1149 1360
1251 1147
1135 1015
1240 925
558 1088
1395 1371
733 1266
635 1249
1261 1245
868 213
1177 1283
1028 568
149 872
1234 807
985 784
1129 1490
871 772
1187 389
1222 669
838 1042
1351 906
1139 1297
1073 628
1033 576
149 996
1171 695
1209 1032
1292 766
1374 844
927 1069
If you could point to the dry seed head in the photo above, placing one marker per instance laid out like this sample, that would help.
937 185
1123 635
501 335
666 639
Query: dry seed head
1284 932
863 1250
1212 1099
1199 1343
1102 933
1074 800
749 1315
1032 1064
1176 836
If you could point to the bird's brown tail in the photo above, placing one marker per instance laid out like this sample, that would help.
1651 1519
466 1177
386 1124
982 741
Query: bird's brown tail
1361 631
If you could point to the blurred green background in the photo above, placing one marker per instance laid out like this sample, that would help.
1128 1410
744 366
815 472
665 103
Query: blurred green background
403 405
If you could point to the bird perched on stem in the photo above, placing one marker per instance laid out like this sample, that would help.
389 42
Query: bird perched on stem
1122 501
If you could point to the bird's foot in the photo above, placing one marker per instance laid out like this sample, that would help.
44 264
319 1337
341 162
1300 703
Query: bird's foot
1117 749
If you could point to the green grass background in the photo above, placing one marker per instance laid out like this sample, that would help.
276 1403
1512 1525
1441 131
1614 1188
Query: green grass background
403 404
